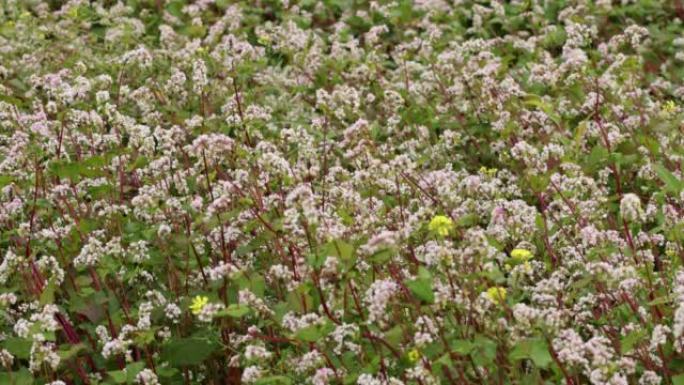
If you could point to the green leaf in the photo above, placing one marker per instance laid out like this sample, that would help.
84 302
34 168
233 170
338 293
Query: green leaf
484 352
234 311
660 300
5 180
69 351
467 220
628 342
48 294
19 347
118 376
313 333
421 288
338 248
462 347
188 351
535 349
20 377
382 256
678 379
672 184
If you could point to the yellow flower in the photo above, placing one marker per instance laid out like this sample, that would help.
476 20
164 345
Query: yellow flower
497 294
490 172
198 303
414 355
669 108
521 255
441 225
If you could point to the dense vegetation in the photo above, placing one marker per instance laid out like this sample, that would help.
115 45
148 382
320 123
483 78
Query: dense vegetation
341 192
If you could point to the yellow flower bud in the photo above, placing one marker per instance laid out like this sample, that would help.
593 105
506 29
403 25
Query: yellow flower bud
497 295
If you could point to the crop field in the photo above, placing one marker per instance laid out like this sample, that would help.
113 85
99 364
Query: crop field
343 192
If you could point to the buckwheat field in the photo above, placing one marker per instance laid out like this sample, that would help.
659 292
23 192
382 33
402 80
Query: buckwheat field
343 192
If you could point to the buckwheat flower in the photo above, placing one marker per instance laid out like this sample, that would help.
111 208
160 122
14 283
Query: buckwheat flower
570 348
147 377
7 299
246 297
650 378
172 312
630 207
368 379
322 376
102 96
308 361
199 76
342 335
209 311
198 303
43 353
163 230
6 358
677 327
251 374
115 347
441 225
254 352
90 253
22 327
659 336
378 296
497 295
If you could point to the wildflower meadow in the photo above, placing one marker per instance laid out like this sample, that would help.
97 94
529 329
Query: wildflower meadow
343 192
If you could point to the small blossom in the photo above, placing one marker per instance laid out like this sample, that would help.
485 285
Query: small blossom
497 295
413 355
198 303
521 255
441 225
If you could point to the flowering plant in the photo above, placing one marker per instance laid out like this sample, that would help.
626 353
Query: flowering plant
371 192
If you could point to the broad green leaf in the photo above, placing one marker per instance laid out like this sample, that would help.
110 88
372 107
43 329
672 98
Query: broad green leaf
628 342
20 377
672 184
234 311
19 347
188 351
535 349
678 379
462 347
422 289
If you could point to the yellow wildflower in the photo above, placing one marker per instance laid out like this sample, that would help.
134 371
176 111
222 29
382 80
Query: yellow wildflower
441 225
497 294
414 355
521 255
490 172
198 303
669 108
